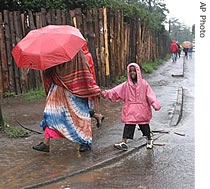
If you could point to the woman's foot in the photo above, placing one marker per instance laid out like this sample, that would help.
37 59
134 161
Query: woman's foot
84 147
42 147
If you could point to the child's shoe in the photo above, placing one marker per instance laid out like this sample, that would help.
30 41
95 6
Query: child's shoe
149 143
121 146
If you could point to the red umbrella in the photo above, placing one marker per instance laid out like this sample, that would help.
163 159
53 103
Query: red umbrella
48 46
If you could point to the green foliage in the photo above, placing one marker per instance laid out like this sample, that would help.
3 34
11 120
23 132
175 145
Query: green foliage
152 15
157 63
149 66
146 67
121 79
13 132
34 94
9 94
168 56
180 32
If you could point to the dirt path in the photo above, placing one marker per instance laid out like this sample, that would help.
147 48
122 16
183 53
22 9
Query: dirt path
26 112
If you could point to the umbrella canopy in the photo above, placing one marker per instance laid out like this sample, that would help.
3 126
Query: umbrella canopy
48 46
187 44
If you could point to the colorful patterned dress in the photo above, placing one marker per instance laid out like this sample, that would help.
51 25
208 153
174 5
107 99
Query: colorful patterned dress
66 113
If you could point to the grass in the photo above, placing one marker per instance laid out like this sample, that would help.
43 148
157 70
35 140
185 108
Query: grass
34 94
12 131
15 132
121 79
149 66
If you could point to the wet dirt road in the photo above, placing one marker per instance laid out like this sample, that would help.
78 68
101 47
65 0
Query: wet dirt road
169 165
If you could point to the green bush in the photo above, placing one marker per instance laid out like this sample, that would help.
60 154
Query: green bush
34 94
121 79
149 66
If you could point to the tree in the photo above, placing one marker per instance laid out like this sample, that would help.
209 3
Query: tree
157 8
36 5
179 31
193 29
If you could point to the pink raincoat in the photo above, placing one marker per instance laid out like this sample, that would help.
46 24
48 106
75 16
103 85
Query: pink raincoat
138 99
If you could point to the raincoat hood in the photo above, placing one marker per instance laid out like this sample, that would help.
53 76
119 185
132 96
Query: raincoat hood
138 73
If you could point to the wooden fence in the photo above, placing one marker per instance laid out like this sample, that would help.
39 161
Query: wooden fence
112 42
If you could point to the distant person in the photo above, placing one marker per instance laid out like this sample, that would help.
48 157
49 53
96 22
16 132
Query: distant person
138 97
185 52
179 50
190 50
174 50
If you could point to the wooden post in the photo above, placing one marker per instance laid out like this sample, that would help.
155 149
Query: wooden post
111 45
1 117
118 44
101 47
2 57
106 51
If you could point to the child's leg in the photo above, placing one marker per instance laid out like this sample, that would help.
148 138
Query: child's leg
128 133
145 129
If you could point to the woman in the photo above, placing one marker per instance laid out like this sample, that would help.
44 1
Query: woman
68 87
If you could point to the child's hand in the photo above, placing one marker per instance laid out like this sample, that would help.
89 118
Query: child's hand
102 94
156 106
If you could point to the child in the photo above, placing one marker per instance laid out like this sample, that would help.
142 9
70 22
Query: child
138 98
